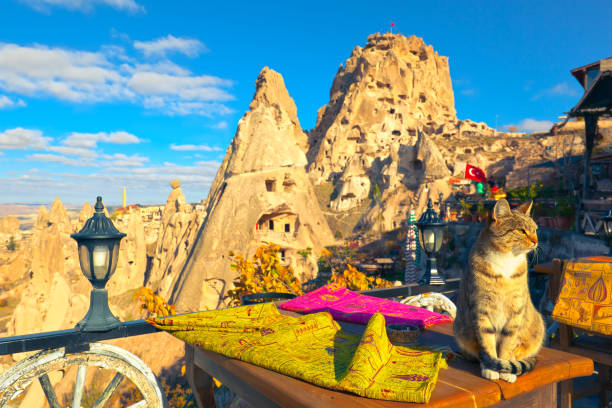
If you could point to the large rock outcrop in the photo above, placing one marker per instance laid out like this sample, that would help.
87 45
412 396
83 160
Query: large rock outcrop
261 193
381 97
375 134
180 226
48 302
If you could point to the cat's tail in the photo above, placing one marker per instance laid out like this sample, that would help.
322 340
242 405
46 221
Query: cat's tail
517 367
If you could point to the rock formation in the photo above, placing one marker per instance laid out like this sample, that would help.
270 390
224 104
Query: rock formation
390 126
180 226
261 193
48 302
176 201
132 261
384 94
9 225
386 104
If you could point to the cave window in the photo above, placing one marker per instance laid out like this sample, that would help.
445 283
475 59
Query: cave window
287 227
396 133
282 255
418 164
422 98
271 225
391 111
270 185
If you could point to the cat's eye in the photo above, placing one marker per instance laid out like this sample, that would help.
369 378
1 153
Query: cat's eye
524 231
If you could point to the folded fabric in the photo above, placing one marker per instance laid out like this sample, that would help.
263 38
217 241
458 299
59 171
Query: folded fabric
585 298
349 306
313 348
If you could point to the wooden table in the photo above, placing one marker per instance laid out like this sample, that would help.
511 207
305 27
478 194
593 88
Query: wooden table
458 386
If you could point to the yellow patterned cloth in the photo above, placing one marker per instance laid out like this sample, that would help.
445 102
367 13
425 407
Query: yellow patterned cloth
585 299
313 348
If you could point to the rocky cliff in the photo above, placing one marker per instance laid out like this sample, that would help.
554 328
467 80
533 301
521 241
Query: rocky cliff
389 138
180 226
261 193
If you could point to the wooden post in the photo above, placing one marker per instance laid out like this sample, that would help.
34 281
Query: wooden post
590 130
201 382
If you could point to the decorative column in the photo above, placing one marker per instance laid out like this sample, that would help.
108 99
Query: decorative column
412 251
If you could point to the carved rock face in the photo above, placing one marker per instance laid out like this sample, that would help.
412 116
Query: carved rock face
261 193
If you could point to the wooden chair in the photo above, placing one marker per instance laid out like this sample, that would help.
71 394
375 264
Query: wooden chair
596 347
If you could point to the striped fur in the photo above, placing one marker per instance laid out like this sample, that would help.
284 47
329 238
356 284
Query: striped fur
517 367
496 321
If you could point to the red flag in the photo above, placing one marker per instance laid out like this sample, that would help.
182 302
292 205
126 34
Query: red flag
474 173
392 24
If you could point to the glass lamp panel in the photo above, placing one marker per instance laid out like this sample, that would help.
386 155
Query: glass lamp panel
114 258
84 260
101 259
608 228
429 239
439 233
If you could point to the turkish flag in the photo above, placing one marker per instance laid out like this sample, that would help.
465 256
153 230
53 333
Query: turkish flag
474 173
392 24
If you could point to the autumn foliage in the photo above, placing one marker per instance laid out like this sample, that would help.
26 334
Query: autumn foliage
352 279
152 303
262 273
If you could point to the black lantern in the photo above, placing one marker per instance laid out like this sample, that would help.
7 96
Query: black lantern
607 225
431 234
98 243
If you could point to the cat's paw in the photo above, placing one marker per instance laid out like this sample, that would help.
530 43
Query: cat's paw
489 374
507 377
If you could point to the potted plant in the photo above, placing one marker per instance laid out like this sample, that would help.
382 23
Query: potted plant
565 214
466 210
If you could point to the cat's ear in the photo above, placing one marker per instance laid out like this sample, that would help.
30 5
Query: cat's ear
525 208
501 210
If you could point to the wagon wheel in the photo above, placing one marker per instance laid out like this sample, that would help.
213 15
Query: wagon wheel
15 380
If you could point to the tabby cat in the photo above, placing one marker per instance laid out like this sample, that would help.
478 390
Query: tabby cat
496 321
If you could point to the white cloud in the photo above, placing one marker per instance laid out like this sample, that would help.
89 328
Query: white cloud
90 140
201 88
84 5
221 125
468 92
188 46
73 151
75 76
6 102
110 76
122 160
54 158
560 89
149 184
20 138
533 125
191 147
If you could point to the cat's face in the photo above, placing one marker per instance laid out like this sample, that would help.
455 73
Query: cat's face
513 230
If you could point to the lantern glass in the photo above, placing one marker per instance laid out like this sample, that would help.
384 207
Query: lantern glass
439 238
84 260
100 260
429 240
114 257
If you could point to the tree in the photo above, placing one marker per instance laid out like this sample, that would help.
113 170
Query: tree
12 245
262 273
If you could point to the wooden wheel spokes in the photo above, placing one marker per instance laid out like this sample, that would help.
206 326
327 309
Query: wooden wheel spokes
48 390
15 380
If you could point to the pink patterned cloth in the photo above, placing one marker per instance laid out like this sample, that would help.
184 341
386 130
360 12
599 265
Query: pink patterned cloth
349 306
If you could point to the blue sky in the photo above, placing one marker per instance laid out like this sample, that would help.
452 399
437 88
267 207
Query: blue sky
96 95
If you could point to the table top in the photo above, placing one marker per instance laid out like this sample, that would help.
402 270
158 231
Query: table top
548 269
460 385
